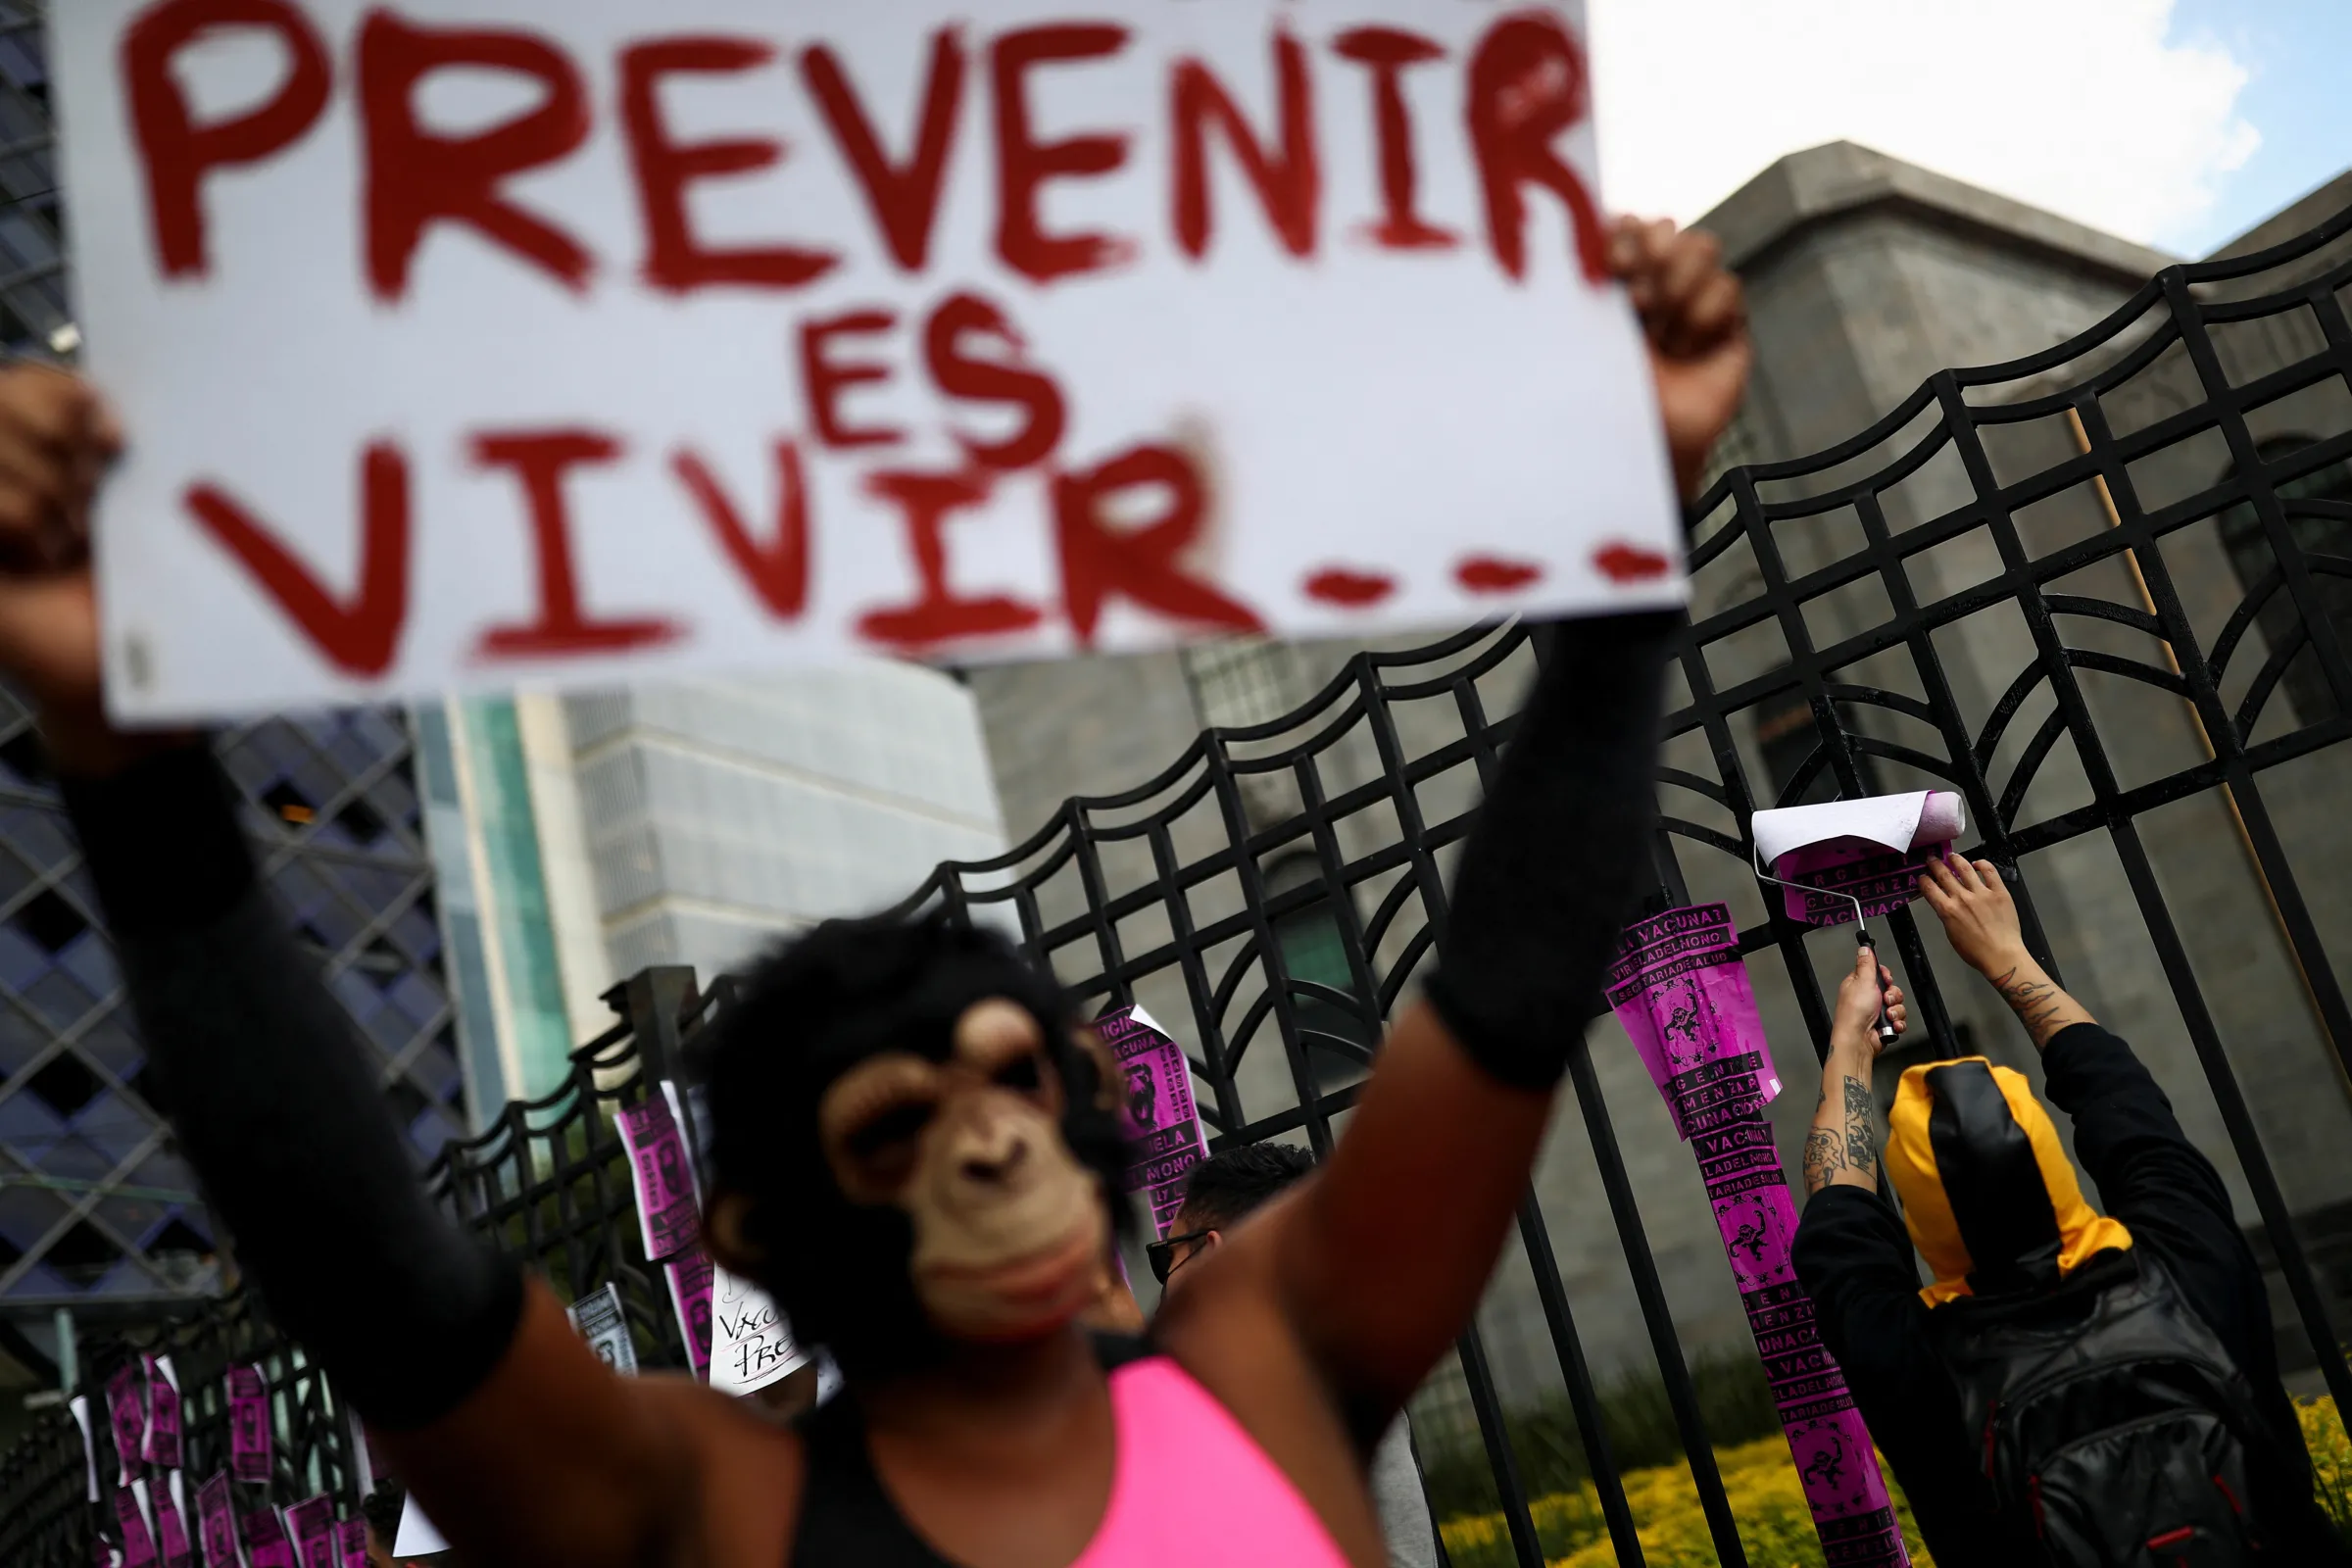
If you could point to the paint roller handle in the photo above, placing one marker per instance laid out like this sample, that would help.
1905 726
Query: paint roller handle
1887 1034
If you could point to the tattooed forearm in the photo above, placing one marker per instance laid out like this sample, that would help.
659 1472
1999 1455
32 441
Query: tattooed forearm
2037 1003
1825 1157
1861 1138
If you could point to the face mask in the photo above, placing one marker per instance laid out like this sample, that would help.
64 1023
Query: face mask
948 1156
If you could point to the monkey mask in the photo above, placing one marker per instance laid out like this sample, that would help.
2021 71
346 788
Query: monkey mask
920 1148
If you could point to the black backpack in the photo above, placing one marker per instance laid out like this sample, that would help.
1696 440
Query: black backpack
2113 1426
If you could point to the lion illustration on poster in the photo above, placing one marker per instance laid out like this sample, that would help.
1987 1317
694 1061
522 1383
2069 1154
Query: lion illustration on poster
1143 1097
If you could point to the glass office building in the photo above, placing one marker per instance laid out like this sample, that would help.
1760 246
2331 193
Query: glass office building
97 1213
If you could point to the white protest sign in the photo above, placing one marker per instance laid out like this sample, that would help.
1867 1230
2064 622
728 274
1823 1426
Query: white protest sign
490 341
751 1341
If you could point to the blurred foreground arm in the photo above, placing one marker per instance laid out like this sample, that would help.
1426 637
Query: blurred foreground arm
1383 1257
278 1105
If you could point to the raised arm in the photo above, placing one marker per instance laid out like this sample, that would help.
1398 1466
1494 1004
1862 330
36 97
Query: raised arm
1380 1261
437 1340
1980 919
2149 1174
1841 1148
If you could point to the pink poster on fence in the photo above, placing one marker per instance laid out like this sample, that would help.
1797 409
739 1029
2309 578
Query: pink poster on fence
667 1209
266 1544
160 1444
1836 874
1682 991
690 1296
249 1440
351 1538
138 1543
1695 999
126 1414
312 1523
1156 1111
217 1522
172 1543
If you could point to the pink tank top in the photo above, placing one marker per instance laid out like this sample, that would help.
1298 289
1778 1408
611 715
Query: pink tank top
1188 1489
1192 1490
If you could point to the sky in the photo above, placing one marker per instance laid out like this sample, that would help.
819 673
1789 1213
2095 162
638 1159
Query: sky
2179 123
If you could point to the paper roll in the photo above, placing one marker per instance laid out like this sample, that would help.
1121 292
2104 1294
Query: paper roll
1941 821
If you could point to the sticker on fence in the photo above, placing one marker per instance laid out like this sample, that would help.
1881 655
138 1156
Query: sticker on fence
312 1523
267 1543
751 1341
127 1414
599 1320
689 1275
217 1522
130 1514
1164 1141
249 1434
161 1442
1682 991
171 1542
669 1210
787 331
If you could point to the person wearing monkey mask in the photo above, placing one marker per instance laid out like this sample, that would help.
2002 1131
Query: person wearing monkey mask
915 1148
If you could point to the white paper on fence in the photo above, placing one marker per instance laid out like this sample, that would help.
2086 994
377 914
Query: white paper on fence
1890 820
599 1318
416 1536
1382 438
828 1378
751 1341
180 1499
362 1460
146 1501
80 1404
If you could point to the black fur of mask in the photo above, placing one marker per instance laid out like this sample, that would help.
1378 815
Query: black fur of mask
809 1010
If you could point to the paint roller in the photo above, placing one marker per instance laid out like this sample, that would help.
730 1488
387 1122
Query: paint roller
1822 841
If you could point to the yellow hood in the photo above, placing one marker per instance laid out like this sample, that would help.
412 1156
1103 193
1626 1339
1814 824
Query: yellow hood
1976 1161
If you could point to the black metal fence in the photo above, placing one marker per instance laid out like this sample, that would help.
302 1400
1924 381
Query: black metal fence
2103 593
548 1183
2081 589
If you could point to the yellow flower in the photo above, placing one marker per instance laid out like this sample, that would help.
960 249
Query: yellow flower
1775 1526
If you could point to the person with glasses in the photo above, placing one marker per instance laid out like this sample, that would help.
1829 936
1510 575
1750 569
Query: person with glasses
1224 1191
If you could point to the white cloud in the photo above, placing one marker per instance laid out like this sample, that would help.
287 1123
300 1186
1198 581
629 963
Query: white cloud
2079 106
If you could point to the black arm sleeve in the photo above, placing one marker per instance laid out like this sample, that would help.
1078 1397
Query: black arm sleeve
2125 1134
1854 1258
278 1108
1549 868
